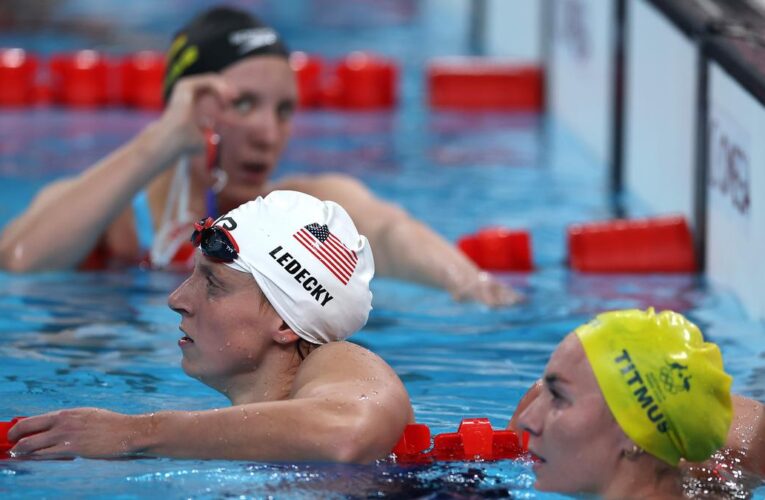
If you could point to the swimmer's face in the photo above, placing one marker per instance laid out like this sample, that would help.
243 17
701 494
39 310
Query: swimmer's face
255 126
571 428
227 324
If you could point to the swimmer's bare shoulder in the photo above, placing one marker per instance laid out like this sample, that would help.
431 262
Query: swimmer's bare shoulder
318 183
346 371
340 188
747 433
370 402
371 215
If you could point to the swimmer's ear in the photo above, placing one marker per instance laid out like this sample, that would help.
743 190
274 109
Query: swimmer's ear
284 335
629 449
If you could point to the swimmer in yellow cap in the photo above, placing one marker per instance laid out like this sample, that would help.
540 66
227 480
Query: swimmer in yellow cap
625 397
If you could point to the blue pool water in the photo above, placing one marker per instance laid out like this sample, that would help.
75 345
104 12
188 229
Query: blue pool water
109 340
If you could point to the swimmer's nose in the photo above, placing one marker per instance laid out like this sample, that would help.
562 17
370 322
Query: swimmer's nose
532 418
177 300
264 128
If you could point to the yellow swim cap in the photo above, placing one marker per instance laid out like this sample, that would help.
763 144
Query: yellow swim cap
664 385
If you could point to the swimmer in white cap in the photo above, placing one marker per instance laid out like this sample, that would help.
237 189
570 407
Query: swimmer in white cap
277 285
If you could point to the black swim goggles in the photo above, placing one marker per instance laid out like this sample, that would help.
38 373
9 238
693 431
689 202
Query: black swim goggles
215 241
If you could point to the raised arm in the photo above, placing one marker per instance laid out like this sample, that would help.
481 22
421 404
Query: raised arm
345 408
66 220
403 247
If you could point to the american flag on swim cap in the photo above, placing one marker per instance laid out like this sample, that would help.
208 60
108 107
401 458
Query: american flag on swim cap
331 252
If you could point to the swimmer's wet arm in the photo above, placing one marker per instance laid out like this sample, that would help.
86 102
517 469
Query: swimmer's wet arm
403 247
346 407
297 430
67 219
306 429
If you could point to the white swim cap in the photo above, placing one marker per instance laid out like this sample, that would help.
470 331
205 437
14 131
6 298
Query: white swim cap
308 259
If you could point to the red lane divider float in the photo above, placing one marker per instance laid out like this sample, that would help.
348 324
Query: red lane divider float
480 83
87 78
360 81
308 74
18 71
80 79
498 249
474 440
143 75
5 445
653 245
366 81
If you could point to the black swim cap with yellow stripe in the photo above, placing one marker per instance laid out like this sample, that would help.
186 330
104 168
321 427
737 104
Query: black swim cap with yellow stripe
216 39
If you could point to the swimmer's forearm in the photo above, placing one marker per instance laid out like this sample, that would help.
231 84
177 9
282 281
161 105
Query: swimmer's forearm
412 251
277 431
64 223
415 252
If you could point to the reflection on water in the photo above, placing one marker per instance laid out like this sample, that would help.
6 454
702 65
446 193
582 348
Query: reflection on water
211 479
725 480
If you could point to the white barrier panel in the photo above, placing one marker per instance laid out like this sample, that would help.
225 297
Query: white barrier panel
581 71
513 29
660 112
735 191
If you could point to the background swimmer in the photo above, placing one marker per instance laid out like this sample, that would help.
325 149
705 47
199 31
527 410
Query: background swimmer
623 399
255 333
229 72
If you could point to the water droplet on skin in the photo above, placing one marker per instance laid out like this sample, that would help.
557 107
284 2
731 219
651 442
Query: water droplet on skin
363 397
67 443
